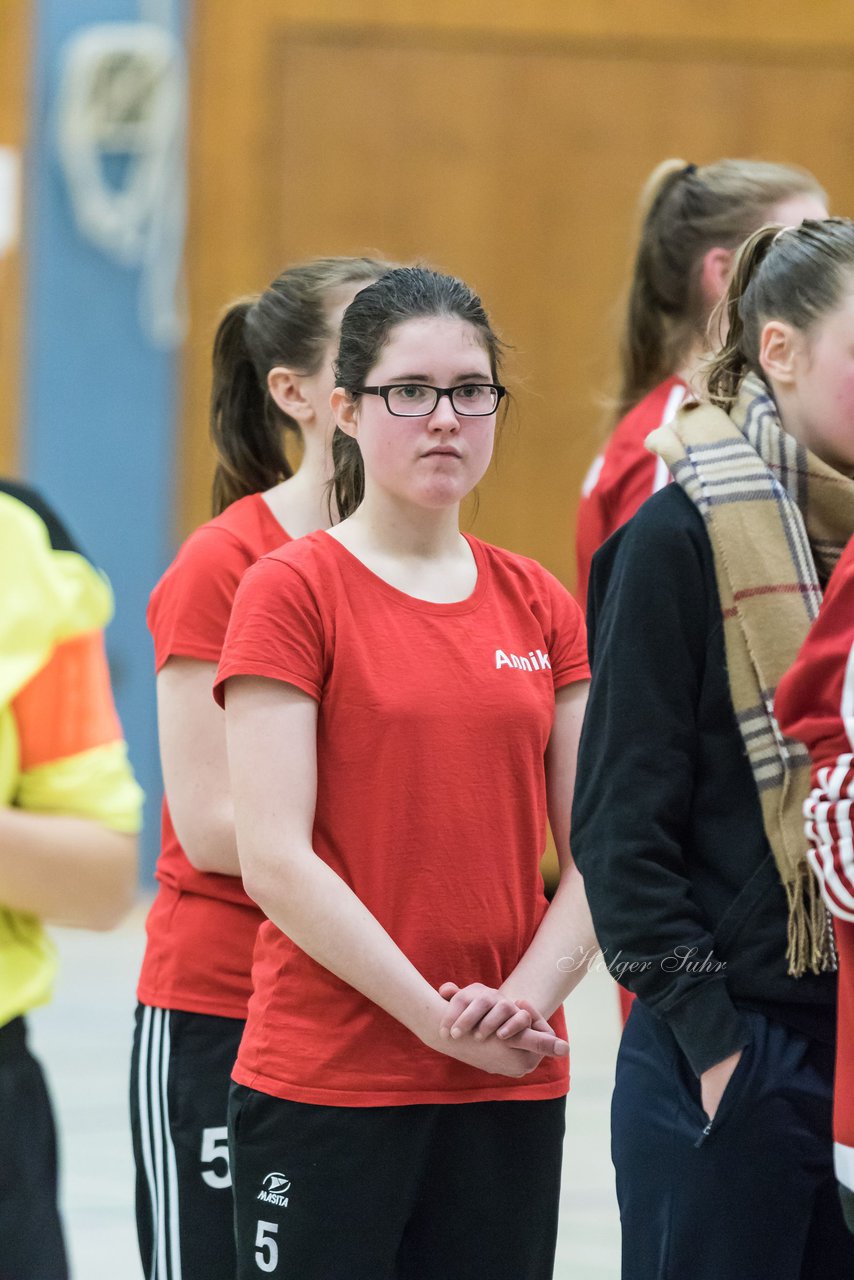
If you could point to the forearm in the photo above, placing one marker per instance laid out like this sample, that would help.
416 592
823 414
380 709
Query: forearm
66 870
320 913
547 972
304 897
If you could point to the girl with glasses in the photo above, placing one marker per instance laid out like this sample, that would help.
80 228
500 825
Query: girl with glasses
272 375
690 839
399 1091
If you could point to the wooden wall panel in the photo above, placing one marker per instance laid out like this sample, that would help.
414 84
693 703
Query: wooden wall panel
821 26
514 160
15 24
519 172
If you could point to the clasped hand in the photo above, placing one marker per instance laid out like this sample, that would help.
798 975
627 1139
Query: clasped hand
485 1028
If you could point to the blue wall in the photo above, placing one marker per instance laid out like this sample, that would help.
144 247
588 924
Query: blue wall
99 422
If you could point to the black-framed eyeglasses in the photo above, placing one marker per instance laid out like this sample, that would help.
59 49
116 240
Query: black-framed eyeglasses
418 400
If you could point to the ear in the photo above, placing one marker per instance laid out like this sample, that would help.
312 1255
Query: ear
285 388
778 350
715 272
344 411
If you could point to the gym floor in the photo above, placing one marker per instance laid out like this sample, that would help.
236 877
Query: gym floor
83 1039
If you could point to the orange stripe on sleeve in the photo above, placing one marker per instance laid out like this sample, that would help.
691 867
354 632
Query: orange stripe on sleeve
68 706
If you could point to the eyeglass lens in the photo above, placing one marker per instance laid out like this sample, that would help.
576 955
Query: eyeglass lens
414 399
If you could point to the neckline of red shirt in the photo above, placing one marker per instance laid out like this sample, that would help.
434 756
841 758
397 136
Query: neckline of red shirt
467 605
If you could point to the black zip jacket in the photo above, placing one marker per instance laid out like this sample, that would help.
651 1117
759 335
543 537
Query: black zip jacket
667 829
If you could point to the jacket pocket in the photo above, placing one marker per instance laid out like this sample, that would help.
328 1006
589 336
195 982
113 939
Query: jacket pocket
689 1085
735 1089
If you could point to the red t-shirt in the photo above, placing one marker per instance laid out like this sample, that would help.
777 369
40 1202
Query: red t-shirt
815 705
202 926
623 476
431 803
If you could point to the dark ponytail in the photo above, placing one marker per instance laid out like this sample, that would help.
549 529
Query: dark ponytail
348 475
287 324
684 211
793 274
248 440
405 293
651 342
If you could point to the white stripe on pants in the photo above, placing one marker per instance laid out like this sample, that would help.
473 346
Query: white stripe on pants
158 1150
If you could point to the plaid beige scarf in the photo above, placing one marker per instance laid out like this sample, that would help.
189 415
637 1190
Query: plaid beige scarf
778 519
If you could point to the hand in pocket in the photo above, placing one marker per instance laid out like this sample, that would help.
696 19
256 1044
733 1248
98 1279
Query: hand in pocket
714 1081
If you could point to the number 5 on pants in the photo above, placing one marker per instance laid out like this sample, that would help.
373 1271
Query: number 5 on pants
266 1248
215 1147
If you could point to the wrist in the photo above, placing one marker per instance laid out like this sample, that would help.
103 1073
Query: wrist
725 1064
426 1020
544 1002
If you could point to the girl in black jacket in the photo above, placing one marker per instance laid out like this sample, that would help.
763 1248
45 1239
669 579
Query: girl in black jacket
687 823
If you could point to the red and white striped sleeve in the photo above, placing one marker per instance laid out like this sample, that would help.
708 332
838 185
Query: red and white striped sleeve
815 705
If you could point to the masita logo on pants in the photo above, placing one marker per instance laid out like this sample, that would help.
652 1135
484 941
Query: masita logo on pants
273 1190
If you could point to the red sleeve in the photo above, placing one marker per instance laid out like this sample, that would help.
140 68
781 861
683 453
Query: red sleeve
814 704
617 485
567 641
276 630
637 482
591 529
189 608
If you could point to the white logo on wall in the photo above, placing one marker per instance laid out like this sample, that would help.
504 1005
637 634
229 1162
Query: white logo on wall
273 1190
122 98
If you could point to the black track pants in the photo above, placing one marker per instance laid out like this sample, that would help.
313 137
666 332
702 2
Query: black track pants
180 1077
459 1191
752 1198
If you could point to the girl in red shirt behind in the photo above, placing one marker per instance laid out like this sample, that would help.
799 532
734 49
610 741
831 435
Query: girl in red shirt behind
272 373
399 1095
